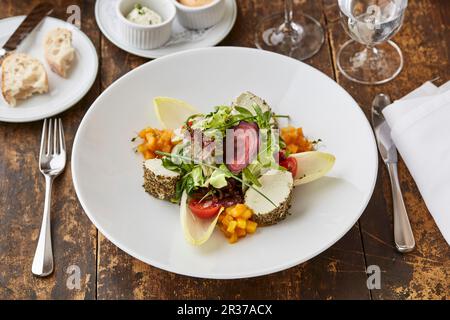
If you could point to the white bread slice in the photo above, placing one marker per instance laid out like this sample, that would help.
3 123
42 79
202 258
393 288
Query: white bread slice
22 76
59 52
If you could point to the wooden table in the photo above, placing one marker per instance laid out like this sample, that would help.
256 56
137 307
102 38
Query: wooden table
338 273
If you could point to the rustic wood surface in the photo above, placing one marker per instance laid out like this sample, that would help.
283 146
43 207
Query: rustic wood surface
338 273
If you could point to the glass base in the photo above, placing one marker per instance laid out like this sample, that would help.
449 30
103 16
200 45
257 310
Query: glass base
370 65
300 39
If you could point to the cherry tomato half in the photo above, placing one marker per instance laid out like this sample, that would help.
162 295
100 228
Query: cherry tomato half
290 164
205 209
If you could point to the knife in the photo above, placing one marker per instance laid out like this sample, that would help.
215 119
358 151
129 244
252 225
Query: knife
31 21
404 238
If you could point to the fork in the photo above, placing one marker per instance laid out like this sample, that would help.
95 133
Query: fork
52 161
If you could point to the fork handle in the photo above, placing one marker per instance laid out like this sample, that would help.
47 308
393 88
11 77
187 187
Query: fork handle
43 257
404 238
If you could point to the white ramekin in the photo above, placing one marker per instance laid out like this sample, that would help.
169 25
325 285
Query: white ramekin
146 37
200 17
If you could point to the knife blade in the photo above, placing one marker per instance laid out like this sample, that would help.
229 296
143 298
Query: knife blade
31 21
382 130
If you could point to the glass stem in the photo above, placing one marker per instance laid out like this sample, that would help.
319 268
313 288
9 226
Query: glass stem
288 11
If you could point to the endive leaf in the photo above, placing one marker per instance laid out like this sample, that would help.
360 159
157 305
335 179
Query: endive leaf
311 166
172 113
196 231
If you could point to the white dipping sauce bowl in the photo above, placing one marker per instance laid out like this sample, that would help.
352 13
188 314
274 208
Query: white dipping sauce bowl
146 36
200 17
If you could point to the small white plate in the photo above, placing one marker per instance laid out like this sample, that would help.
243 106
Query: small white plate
107 174
63 93
182 39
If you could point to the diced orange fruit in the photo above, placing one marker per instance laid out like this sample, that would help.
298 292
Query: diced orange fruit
247 214
251 227
241 232
235 222
233 238
155 140
232 226
295 140
241 223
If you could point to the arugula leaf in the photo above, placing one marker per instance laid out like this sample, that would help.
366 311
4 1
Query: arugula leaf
262 118
235 120
248 175
169 165
245 112
267 116
258 111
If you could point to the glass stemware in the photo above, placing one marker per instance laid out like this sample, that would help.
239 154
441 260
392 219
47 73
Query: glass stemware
371 58
300 37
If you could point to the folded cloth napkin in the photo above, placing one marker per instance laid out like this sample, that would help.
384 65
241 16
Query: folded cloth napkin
420 129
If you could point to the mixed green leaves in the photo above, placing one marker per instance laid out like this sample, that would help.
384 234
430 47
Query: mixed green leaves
196 174
187 182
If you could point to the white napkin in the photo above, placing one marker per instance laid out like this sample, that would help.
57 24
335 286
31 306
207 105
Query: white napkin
420 129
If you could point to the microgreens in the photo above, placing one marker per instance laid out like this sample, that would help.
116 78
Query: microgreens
189 182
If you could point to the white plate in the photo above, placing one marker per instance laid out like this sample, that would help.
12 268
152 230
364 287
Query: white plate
63 93
182 39
108 175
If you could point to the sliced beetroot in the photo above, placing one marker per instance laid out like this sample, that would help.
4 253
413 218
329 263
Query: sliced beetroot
244 135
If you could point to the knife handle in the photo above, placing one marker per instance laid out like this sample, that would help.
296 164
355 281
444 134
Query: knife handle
404 238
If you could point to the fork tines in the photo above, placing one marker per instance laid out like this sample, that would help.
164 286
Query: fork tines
52 141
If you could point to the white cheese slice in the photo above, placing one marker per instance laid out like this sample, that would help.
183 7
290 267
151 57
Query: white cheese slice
156 166
276 185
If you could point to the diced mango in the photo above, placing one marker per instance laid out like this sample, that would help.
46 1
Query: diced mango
226 221
231 226
148 155
241 223
155 140
247 214
251 226
234 213
233 238
292 148
234 222
241 232
295 140
141 148
225 232
240 208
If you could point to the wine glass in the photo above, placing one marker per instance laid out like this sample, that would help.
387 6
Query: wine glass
370 58
299 38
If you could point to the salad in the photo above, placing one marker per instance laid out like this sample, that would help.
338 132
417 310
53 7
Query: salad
234 168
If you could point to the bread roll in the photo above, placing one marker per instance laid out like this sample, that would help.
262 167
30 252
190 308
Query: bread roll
22 76
59 52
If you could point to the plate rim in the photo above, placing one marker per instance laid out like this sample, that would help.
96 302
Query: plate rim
261 272
151 52
69 103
